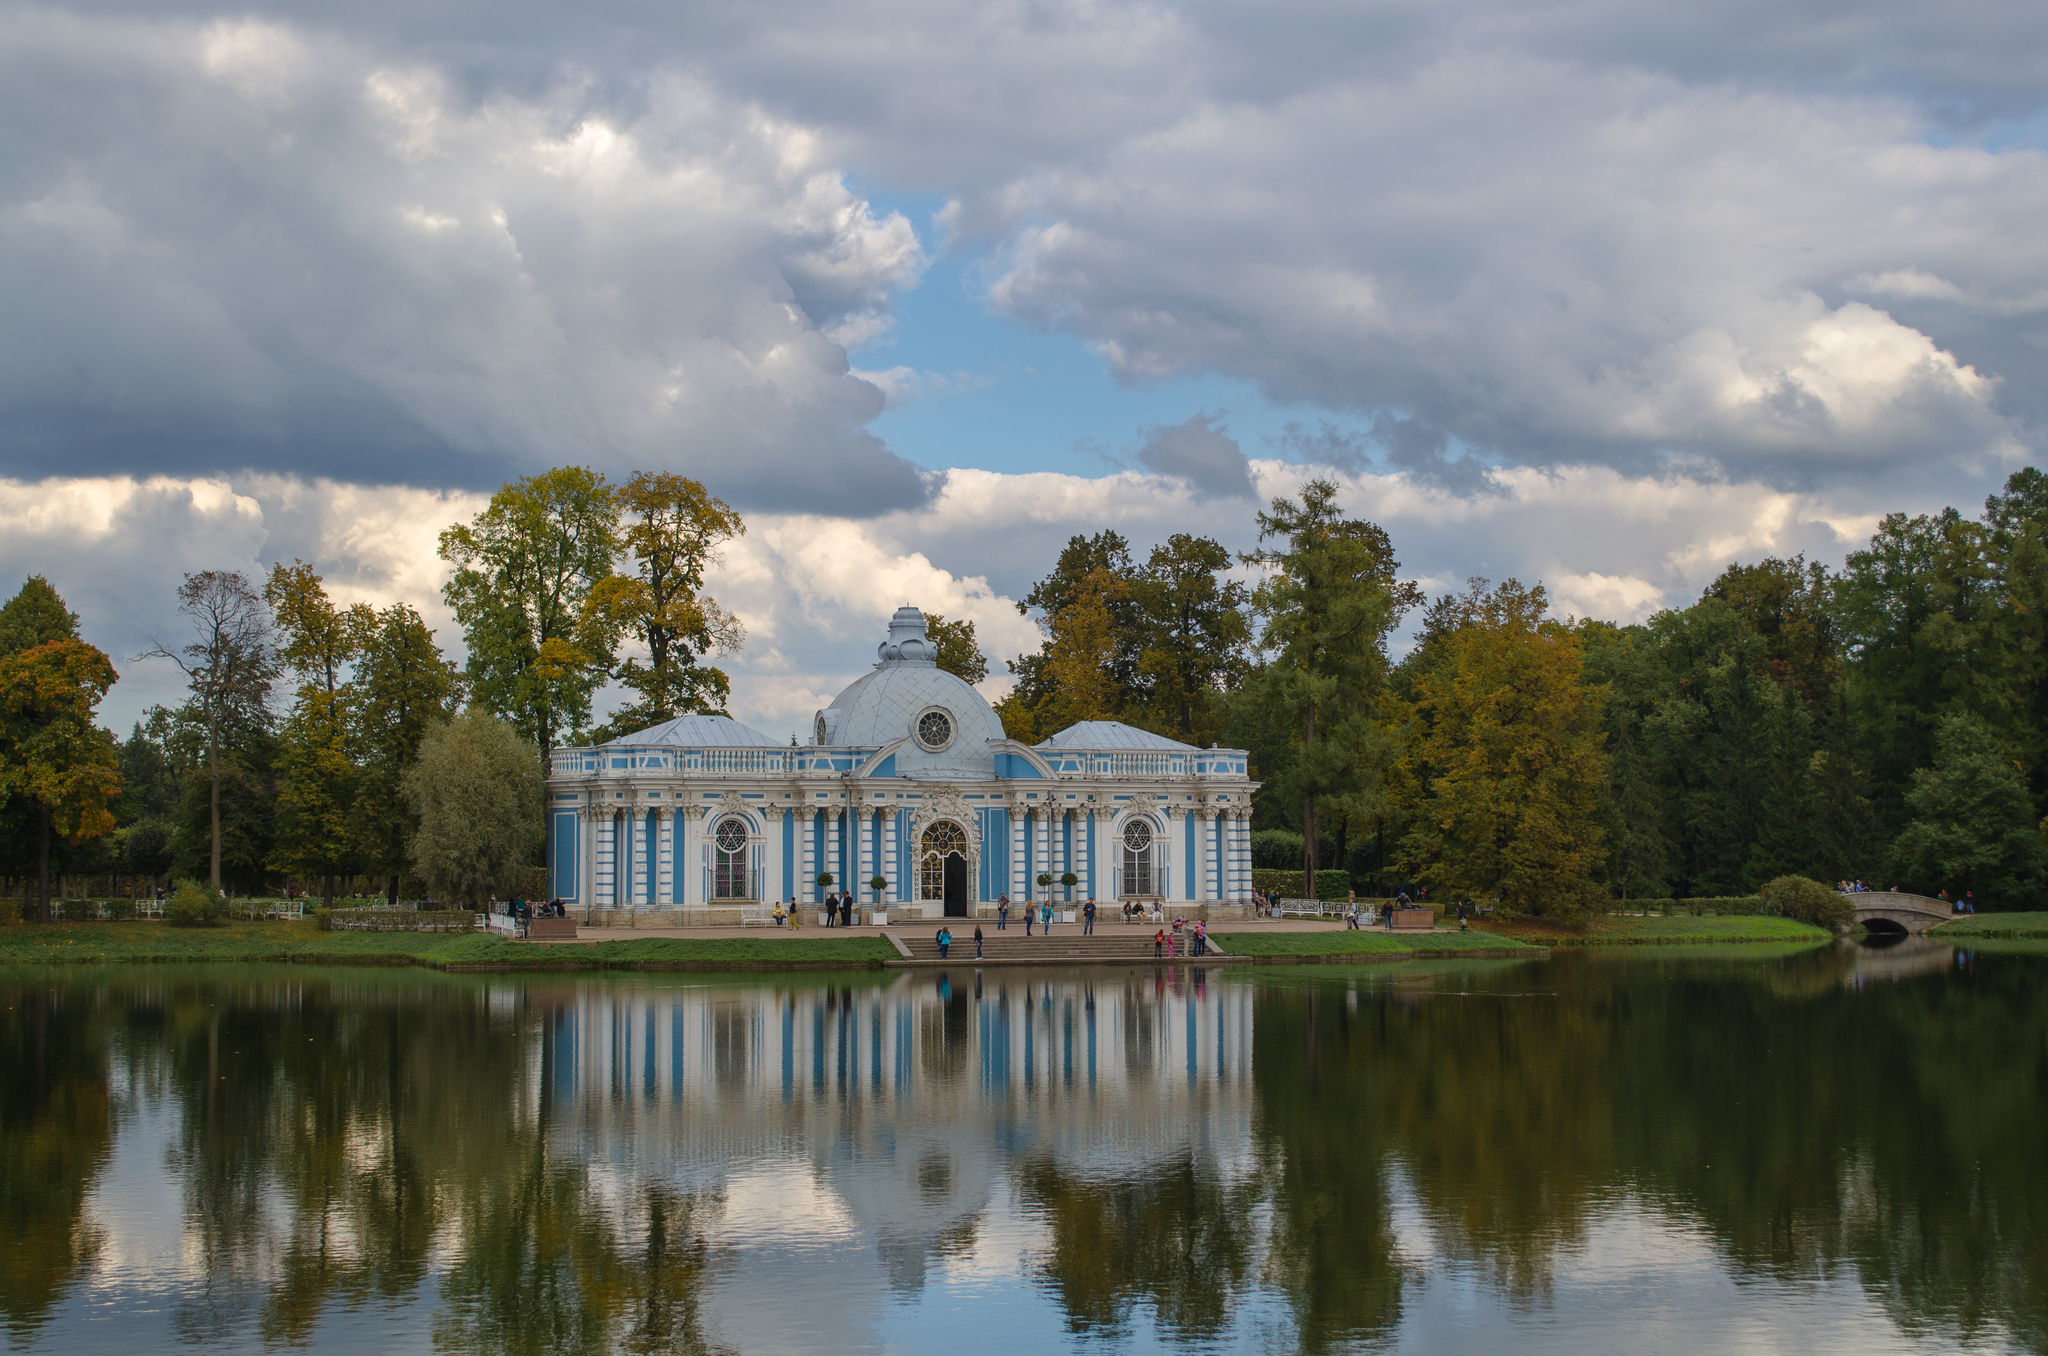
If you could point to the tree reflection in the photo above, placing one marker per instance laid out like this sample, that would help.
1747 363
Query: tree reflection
56 1130
1176 1237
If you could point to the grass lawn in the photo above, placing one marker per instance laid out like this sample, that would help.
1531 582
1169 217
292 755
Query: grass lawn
84 943
1364 942
1683 930
2017 926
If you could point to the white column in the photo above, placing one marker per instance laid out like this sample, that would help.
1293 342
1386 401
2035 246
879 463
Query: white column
891 818
1205 825
771 843
1016 875
586 849
807 850
833 818
1041 824
687 858
863 825
1241 854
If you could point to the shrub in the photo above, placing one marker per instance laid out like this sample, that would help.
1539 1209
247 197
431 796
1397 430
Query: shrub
1808 901
1333 884
1275 849
192 905
1288 883
323 919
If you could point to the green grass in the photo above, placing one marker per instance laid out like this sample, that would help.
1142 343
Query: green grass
1682 930
2018 926
1364 942
86 943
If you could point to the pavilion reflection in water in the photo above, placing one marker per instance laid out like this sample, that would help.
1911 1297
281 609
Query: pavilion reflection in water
905 1101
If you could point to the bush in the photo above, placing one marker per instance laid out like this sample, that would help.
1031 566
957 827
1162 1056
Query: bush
1808 901
1288 883
1276 849
323 919
1333 884
192 905
1696 906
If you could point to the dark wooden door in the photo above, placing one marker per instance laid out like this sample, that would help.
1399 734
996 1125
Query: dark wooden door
956 886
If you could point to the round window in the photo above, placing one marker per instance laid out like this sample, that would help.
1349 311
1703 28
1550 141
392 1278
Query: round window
935 730
732 836
1137 835
819 734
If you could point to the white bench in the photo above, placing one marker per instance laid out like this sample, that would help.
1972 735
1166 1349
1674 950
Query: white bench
149 908
763 914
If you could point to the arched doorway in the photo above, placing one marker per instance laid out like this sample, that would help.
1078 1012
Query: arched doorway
1137 877
942 867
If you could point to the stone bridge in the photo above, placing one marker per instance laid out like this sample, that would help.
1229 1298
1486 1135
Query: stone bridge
1889 911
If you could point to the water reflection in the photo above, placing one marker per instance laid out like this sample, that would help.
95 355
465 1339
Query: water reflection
1298 1158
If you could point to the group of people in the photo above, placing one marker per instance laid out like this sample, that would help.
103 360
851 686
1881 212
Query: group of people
1966 902
1042 915
1168 943
1857 887
838 909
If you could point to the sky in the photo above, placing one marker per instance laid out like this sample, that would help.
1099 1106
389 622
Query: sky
1598 293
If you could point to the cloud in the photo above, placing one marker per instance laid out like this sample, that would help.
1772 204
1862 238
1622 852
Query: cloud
234 245
1554 265
1199 452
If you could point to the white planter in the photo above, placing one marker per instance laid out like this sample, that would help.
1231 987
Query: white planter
876 918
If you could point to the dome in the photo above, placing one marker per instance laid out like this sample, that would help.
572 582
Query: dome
945 723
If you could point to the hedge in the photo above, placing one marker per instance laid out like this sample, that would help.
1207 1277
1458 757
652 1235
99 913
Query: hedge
1329 884
396 920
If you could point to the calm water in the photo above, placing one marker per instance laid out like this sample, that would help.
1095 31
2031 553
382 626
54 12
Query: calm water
1842 1150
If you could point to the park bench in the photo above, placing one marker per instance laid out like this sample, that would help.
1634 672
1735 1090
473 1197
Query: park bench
751 914
551 929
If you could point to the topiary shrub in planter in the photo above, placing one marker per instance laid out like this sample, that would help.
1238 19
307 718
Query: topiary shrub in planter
192 905
1808 901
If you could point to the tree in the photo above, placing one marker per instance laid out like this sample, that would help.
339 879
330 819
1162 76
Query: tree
1077 568
317 776
404 687
1077 670
1328 606
474 790
1508 774
52 751
672 529
1973 823
1196 632
229 668
524 570
35 616
1790 603
959 653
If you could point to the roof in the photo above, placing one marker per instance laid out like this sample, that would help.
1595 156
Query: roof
698 732
1110 734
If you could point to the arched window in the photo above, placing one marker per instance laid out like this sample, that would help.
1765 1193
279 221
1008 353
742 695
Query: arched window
942 840
1137 873
729 860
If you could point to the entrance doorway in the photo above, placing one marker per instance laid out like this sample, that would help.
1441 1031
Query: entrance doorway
956 886
942 867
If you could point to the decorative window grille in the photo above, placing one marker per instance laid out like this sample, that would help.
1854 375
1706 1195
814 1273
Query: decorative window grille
942 840
729 875
1137 872
934 730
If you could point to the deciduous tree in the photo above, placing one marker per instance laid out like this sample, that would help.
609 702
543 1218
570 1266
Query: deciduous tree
958 652
524 569
1508 772
671 531
1973 825
52 751
474 789
229 667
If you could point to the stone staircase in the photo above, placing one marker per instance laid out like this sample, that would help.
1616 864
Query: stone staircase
1111 944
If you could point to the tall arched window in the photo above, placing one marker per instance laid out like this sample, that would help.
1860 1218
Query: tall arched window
729 860
1137 873
941 840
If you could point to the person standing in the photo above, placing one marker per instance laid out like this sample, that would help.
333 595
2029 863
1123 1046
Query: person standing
945 941
1030 917
1002 913
1158 942
1045 919
977 941
1088 919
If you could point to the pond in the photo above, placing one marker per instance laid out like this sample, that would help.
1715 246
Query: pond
1839 1149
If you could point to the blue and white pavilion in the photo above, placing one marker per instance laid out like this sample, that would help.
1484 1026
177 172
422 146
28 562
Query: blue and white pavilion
908 777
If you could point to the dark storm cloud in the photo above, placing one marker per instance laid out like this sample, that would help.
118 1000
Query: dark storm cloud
1201 453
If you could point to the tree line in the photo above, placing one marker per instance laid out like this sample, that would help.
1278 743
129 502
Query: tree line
336 746
1887 721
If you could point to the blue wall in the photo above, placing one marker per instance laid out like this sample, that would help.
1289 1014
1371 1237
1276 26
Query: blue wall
565 857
